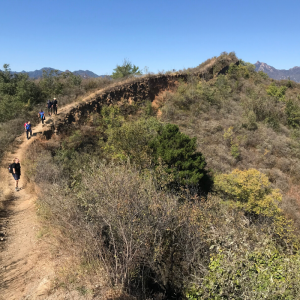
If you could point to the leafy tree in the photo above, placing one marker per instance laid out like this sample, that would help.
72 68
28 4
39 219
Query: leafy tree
126 70
18 85
51 83
178 152
292 111
17 92
72 79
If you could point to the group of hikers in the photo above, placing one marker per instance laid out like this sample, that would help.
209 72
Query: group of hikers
15 167
52 109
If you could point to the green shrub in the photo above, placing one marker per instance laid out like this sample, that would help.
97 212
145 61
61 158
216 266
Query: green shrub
235 151
251 121
178 152
277 92
263 75
292 111
130 141
252 275
249 190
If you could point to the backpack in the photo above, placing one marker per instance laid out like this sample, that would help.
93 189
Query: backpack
10 169
25 124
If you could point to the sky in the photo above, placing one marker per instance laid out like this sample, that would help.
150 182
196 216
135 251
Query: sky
162 35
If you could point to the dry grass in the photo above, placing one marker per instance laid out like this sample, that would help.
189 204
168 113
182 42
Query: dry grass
268 147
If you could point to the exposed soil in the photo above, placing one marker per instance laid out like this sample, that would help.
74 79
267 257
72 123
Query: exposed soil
26 268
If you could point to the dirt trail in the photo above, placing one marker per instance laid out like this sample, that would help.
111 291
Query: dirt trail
25 270
26 263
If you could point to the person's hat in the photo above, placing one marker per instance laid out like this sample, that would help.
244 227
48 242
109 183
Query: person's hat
54 98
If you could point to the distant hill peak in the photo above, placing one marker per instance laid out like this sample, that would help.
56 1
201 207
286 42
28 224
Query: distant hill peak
292 73
39 73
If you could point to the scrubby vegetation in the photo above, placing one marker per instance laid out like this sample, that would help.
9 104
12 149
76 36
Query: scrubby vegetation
243 120
199 203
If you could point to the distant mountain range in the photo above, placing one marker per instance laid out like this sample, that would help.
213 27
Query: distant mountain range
293 73
39 73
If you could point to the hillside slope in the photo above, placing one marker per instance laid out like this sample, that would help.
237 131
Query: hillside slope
242 121
120 191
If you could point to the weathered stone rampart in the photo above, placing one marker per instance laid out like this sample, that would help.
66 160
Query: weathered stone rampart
140 89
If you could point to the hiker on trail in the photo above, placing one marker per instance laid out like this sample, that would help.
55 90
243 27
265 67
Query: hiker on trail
54 104
42 116
16 172
25 124
28 129
49 106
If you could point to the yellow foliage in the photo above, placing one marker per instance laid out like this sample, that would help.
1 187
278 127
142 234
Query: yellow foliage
228 134
250 190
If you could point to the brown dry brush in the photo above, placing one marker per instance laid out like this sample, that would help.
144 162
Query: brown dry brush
135 232
116 219
262 137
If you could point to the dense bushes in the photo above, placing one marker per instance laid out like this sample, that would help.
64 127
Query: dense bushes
148 242
126 224
257 274
148 143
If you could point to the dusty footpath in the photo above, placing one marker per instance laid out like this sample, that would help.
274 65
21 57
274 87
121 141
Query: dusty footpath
26 269
27 264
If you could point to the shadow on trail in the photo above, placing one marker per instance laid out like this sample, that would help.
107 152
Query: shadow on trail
13 268
6 212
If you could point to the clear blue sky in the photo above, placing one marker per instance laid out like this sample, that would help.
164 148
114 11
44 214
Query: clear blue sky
163 35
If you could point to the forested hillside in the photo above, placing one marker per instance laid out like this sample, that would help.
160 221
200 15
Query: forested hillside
192 196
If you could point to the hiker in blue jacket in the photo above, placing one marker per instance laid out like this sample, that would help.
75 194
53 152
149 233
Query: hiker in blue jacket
42 116
28 130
